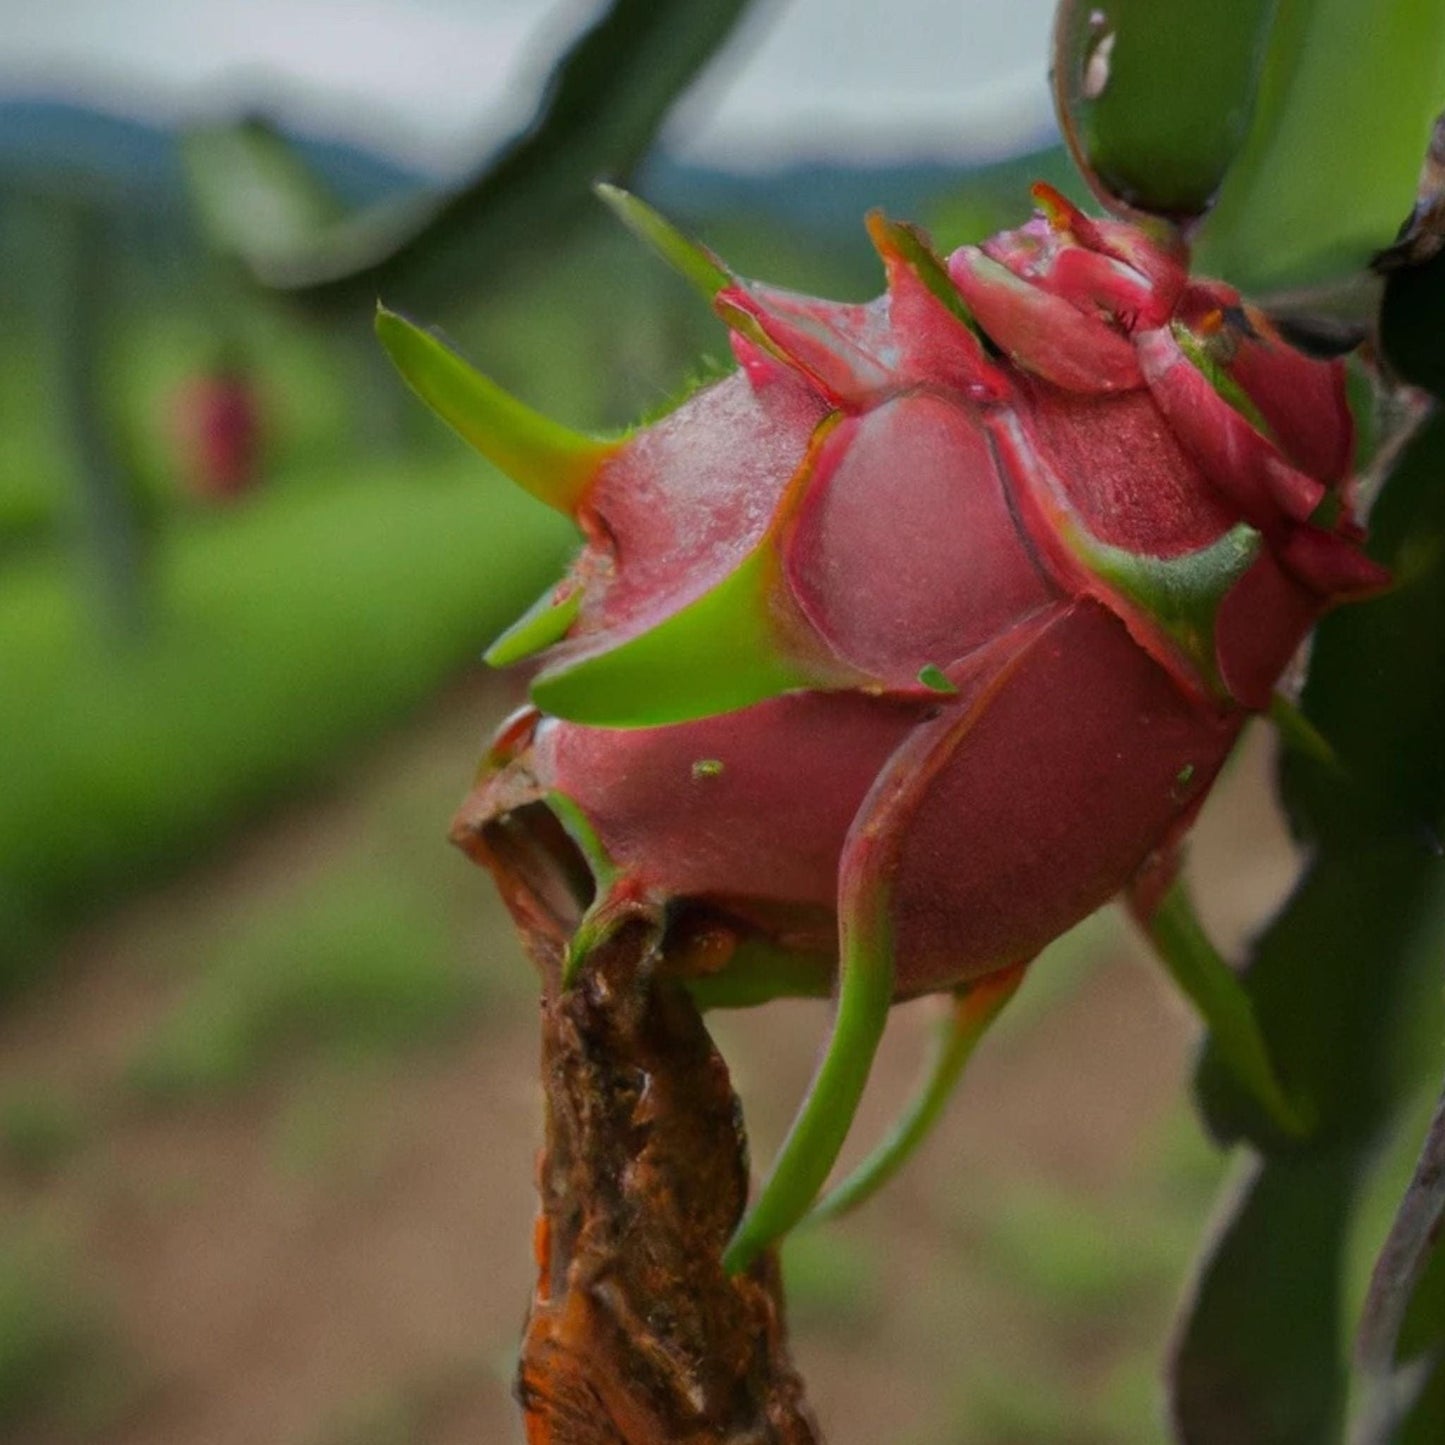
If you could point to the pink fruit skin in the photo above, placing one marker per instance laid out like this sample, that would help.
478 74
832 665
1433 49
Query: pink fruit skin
748 813
941 501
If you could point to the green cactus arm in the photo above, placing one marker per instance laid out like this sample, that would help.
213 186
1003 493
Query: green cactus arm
1155 96
865 991
1327 168
974 1007
1196 966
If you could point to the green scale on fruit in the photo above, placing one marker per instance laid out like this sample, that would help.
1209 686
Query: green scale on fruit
898 651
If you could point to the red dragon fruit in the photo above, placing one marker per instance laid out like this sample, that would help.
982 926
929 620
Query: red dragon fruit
902 649
218 430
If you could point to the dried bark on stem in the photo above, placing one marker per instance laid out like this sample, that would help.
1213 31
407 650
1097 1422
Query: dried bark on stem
635 1335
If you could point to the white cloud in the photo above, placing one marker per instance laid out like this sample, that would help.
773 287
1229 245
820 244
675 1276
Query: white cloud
435 80
873 78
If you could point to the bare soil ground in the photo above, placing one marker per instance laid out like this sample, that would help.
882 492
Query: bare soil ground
338 1254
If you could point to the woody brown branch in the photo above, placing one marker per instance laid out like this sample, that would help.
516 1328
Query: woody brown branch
635 1335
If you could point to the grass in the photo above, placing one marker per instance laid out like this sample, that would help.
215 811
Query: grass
832 1290
1006 1409
1083 1262
1093 1280
354 966
39 1130
282 634
57 1360
403 1412
377 1419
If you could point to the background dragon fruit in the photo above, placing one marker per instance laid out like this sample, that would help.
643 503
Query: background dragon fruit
901 649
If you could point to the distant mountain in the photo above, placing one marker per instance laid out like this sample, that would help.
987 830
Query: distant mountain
46 143
825 197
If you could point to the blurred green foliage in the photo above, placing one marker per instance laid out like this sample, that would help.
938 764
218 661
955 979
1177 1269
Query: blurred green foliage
1091 1277
378 1419
596 119
39 1129
832 1291
58 1359
997 197
1087 1263
362 573
288 635
354 965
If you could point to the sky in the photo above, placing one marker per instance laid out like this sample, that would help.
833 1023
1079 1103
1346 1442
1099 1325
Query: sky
432 81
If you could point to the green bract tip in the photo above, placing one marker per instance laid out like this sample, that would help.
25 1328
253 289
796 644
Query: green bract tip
1301 735
898 240
717 653
684 255
552 462
546 621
